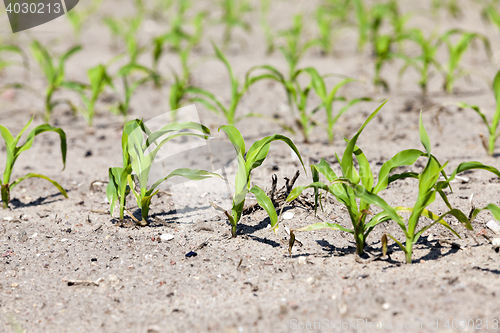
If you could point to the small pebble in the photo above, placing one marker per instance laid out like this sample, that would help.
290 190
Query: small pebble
386 306
166 237
288 215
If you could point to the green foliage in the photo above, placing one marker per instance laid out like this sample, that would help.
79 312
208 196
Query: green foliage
325 22
492 13
182 42
247 162
89 93
428 186
453 71
77 16
233 12
371 19
266 27
16 50
54 71
344 188
13 152
294 48
423 62
138 157
132 76
329 97
178 38
127 29
493 132
214 104
451 6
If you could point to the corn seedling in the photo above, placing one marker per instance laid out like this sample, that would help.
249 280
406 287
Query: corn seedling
233 12
77 16
383 43
363 23
247 162
451 6
329 97
422 63
98 80
340 9
452 69
212 103
127 29
342 187
492 13
178 38
266 27
16 50
54 72
493 132
325 23
13 152
428 186
138 157
130 84
294 48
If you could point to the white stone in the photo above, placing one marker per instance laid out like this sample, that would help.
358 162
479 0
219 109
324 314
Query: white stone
166 237
494 226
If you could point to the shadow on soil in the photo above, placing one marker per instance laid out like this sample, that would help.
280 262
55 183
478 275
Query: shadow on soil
16 203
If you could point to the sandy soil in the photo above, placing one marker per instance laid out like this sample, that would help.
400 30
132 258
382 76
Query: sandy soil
251 283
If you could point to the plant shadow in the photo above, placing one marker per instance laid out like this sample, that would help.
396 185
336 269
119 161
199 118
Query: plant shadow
16 203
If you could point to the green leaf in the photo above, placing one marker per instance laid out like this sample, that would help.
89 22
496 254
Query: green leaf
347 159
405 157
235 137
424 138
324 225
266 203
36 175
192 174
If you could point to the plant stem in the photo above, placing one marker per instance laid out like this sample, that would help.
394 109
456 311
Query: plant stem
409 249
5 195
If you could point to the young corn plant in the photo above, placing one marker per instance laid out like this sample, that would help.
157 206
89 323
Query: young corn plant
493 132
77 17
383 53
452 70
247 162
132 76
294 48
138 156
265 5
429 184
212 103
329 97
492 13
233 12
325 21
342 187
178 38
98 81
127 29
16 50
451 6
425 61
54 71
13 152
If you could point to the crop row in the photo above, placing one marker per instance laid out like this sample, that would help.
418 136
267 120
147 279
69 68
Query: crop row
355 188
381 25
